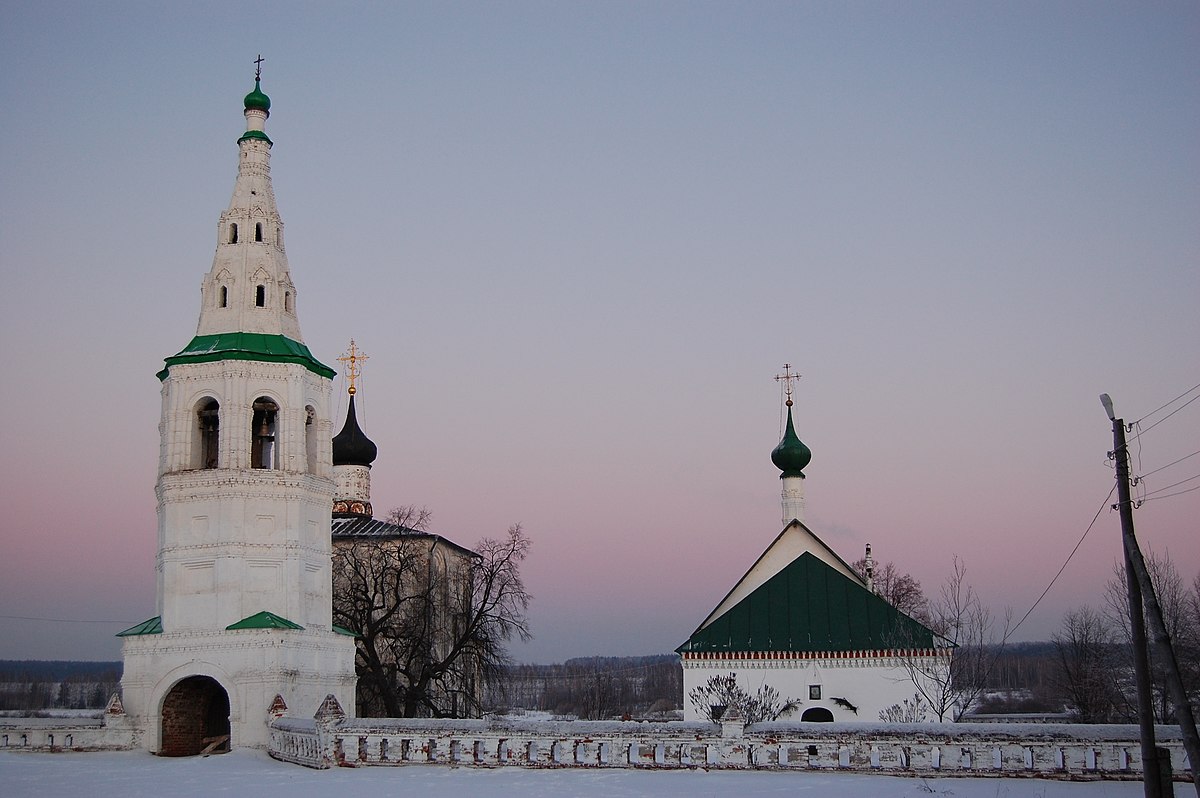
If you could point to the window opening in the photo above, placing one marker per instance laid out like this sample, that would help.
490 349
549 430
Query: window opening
233 233
287 301
260 296
310 438
224 296
258 231
262 431
209 416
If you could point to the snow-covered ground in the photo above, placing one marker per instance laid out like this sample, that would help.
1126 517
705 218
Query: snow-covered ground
253 773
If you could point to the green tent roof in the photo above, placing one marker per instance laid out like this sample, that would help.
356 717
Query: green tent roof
264 620
247 346
150 627
808 607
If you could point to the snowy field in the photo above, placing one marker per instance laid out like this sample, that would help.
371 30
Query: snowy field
253 773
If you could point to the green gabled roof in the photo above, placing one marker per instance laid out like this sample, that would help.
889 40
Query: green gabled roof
808 607
247 346
264 620
150 627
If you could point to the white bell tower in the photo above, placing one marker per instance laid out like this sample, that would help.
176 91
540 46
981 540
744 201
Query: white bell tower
245 489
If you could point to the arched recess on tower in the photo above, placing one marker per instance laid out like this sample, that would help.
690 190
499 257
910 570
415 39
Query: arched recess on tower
195 718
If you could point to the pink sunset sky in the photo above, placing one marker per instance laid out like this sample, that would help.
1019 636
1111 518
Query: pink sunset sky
577 241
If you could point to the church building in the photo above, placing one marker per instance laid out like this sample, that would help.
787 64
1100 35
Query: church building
404 591
243 629
802 621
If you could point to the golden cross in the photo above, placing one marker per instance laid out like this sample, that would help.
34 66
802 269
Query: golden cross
258 66
353 367
786 378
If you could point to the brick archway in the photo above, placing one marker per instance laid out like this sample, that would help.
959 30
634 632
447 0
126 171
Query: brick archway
195 718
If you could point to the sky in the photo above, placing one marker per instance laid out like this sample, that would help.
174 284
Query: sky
579 240
130 774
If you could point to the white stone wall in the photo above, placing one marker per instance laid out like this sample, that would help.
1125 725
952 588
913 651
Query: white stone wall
869 683
253 665
1058 752
236 540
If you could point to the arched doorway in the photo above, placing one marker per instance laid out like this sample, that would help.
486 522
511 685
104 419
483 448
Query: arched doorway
195 718
817 715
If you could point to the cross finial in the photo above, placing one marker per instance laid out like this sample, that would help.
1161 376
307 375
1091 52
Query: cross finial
786 378
353 360
258 67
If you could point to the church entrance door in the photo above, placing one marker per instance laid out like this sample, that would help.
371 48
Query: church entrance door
195 718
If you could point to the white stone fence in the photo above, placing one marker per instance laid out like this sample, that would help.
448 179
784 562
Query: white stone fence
1067 751
111 730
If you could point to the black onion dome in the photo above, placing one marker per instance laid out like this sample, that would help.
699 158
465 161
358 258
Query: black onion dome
351 446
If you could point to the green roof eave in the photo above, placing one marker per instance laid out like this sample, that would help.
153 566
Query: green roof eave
150 627
255 134
810 607
246 346
264 620
344 631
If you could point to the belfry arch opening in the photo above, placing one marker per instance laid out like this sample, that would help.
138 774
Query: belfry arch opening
817 715
195 718
258 235
260 296
262 433
233 233
310 438
208 417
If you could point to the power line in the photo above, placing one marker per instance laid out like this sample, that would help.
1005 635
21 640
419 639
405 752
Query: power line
1169 495
1168 487
55 620
1168 404
1168 465
1142 432
1103 504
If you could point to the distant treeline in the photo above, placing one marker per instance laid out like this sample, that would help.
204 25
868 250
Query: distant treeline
595 687
33 685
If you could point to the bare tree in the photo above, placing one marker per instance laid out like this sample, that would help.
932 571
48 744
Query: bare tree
431 619
905 712
1087 671
901 590
952 677
721 693
1181 613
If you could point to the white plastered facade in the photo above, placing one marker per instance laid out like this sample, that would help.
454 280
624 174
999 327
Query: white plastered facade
237 538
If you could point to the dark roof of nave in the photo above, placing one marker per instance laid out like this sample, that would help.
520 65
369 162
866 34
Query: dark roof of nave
374 529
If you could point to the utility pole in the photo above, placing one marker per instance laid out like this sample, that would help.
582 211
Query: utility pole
1139 586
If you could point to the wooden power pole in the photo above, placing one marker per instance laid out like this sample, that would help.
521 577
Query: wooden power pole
1140 587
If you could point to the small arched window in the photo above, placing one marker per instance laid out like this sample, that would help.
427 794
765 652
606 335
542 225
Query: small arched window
262 434
260 296
287 301
233 233
224 300
208 414
310 438
258 231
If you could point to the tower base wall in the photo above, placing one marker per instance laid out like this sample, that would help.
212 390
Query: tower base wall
251 665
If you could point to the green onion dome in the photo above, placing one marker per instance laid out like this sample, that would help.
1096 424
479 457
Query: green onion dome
791 455
256 99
